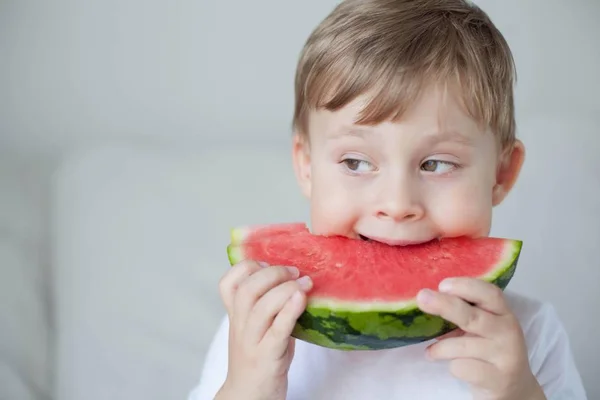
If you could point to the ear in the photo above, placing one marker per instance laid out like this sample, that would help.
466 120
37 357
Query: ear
509 169
301 160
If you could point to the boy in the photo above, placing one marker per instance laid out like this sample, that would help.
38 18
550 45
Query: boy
404 133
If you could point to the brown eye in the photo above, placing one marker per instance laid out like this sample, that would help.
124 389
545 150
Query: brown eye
438 167
352 165
429 165
357 166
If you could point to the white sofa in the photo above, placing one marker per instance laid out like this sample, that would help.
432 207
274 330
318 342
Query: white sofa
138 245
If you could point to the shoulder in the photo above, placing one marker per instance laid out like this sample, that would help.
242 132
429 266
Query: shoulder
531 313
548 346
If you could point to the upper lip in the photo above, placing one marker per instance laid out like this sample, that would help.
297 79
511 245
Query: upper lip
395 242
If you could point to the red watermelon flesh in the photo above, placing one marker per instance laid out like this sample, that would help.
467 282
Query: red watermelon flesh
371 274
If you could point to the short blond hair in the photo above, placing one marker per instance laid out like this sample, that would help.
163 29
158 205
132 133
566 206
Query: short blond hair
391 49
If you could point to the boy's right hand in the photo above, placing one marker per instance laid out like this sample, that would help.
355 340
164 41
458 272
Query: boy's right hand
263 304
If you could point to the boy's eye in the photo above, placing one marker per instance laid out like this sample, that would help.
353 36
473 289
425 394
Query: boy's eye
355 165
437 166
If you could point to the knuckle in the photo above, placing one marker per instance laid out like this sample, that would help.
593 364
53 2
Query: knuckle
266 307
496 294
287 306
509 327
276 273
514 325
281 272
281 295
464 346
467 370
245 291
277 276
246 266
288 288
226 285
279 329
507 364
223 285
438 349
473 319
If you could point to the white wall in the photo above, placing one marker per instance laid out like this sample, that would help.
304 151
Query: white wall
81 72
25 350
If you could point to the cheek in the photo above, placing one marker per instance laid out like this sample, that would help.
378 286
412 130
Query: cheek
462 210
333 209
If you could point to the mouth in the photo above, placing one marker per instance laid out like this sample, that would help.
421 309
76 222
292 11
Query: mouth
364 238
392 242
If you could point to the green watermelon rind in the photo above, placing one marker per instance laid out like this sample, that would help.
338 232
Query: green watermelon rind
239 234
375 326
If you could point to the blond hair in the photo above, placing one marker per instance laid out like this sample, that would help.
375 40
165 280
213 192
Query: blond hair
391 49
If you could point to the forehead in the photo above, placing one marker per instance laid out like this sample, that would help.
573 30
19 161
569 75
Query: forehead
438 110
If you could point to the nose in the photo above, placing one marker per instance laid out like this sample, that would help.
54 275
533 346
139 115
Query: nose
400 202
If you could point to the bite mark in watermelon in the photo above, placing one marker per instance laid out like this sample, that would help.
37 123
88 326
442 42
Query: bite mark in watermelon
364 292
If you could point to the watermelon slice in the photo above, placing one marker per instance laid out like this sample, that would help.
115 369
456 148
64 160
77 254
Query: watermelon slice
364 292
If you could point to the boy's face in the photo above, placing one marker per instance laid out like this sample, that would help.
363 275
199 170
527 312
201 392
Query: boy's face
434 174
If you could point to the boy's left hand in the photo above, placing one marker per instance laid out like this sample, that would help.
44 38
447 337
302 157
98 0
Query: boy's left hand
489 350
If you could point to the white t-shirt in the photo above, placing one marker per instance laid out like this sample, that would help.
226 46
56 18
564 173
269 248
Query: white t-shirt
404 373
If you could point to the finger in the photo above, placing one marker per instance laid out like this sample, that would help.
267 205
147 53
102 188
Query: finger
291 350
463 347
256 285
480 374
231 280
278 334
453 333
469 318
268 306
476 291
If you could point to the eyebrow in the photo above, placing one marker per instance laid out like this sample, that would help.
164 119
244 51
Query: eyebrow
432 137
353 131
448 136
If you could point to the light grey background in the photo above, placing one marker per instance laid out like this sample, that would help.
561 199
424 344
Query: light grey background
80 72
131 133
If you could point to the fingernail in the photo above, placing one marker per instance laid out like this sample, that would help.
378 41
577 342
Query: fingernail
446 285
305 282
425 296
294 271
263 264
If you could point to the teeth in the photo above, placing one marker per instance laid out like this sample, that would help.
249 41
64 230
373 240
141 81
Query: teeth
364 238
